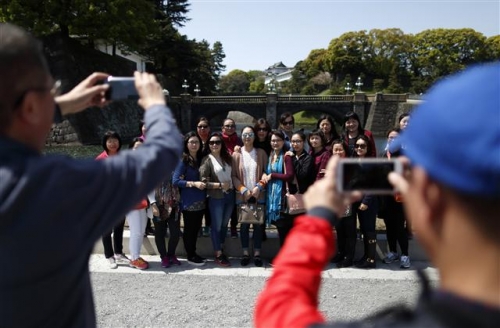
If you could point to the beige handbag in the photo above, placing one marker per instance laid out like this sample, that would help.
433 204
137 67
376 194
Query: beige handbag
294 203
251 213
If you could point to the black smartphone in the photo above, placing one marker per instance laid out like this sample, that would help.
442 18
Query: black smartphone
121 88
368 175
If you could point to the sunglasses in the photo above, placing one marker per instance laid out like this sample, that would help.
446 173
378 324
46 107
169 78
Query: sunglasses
360 146
216 142
248 135
288 123
202 126
230 126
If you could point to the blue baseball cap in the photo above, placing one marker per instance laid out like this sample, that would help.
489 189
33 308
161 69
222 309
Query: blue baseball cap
455 134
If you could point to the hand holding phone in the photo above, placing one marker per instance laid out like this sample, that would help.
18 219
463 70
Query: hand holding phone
367 175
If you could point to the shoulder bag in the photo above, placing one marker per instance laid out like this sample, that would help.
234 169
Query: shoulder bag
251 213
294 203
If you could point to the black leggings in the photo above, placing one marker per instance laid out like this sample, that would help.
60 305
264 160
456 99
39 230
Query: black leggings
395 228
117 240
174 228
192 225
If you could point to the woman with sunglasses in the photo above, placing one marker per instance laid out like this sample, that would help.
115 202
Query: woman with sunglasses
203 131
278 173
351 129
215 172
366 211
248 167
262 129
287 123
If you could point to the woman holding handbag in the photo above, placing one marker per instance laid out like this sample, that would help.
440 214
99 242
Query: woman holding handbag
248 166
279 172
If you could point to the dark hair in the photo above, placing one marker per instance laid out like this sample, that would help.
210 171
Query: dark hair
136 139
301 134
354 116
278 134
320 134
22 66
368 145
224 154
186 156
262 121
108 135
403 116
333 130
342 143
248 127
286 115
398 130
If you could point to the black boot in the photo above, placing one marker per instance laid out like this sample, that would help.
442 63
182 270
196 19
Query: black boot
365 251
350 247
369 262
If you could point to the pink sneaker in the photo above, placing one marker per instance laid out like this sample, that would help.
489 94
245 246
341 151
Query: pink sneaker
174 260
165 262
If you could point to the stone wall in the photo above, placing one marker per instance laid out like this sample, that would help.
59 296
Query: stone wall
71 62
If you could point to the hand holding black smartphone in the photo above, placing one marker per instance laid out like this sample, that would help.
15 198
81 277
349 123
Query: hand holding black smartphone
121 88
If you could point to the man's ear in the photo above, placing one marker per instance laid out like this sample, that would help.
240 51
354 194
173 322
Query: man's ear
29 109
430 204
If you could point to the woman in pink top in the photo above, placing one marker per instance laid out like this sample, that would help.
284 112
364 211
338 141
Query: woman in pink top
112 143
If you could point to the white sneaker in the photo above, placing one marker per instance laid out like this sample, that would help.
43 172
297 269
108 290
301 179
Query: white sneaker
390 257
112 263
404 262
122 259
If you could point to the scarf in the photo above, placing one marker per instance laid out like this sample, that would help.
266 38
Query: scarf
274 190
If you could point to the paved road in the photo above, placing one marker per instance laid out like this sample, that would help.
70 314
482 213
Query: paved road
211 296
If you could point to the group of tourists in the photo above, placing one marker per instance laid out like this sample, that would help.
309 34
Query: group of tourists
221 170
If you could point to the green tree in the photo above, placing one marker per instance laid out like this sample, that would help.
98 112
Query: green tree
347 54
237 81
493 47
440 52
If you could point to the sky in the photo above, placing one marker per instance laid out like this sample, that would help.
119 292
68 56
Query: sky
255 34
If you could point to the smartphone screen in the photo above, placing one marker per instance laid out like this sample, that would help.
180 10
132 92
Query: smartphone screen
367 175
121 88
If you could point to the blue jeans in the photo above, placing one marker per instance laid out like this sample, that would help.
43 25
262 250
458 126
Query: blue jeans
245 236
220 212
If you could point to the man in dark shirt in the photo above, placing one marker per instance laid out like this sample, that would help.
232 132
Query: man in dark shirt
46 280
452 195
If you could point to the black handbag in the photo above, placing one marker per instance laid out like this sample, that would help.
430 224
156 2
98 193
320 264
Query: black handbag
251 213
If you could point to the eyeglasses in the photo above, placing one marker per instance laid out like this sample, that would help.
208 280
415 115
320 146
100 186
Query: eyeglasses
193 142
262 130
360 146
276 140
55 91
248 135
230 126
288 123
216 142
296 141
202 126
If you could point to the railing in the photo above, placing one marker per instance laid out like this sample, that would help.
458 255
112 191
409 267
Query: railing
231 100
295 98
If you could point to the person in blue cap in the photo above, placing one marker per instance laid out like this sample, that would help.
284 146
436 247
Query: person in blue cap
53 209
453 195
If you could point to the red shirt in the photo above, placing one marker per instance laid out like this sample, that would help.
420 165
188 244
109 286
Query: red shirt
290 297
231 141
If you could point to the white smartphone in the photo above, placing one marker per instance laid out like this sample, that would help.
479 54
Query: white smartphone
121 88
368 175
